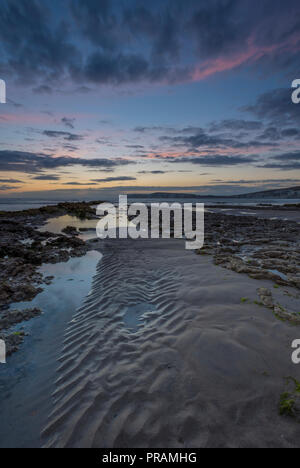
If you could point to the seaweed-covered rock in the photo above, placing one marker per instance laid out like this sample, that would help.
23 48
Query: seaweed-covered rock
9 318
266 297
289 402
286 315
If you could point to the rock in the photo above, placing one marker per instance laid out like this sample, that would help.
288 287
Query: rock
48 279
12 317
264 292
266 297
286 315
70 230
12 341
289 402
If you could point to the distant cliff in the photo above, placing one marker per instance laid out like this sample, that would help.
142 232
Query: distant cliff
288 193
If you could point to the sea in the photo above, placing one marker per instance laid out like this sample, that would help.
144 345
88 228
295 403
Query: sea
16 204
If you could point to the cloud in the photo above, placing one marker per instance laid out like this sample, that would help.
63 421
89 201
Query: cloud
151 129
20 161
293 156
65 135
79 183
4 188
114 179
14 104
68 122
35 46
10 181
135 146
104 68
262 181
70 147
47 177
236 124
43 89
270 134
202 139
290 132
292 166
215 160
284 161
105 42
275 106
153 172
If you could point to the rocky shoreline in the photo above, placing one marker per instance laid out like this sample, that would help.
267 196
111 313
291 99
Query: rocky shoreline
264 249
23 249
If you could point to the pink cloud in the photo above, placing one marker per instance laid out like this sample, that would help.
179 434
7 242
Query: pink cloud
252 53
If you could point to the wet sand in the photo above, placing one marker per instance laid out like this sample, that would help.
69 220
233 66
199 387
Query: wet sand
164 353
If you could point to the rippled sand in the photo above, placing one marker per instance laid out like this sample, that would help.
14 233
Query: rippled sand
164 354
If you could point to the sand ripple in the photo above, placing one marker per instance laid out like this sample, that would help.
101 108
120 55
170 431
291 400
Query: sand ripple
192 373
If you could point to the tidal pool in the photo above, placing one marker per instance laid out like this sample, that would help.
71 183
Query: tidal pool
27 380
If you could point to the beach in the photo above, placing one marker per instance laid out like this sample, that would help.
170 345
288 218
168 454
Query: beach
149 227
203 369
159 346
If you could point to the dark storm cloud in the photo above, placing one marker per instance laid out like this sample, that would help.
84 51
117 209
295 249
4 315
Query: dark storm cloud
20 161
126 42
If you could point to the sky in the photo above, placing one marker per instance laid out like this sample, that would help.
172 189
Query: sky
123 96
